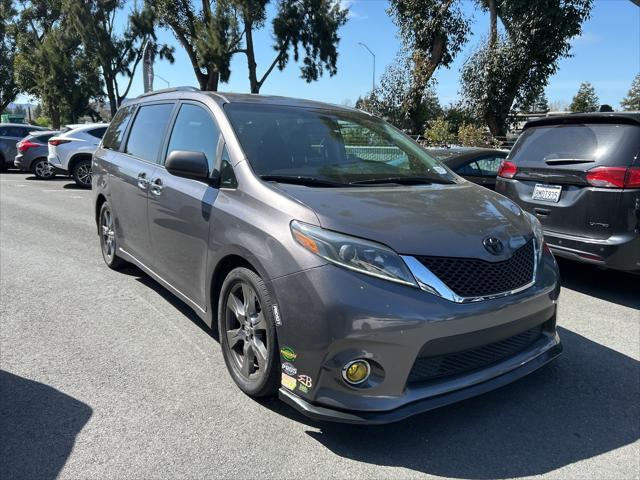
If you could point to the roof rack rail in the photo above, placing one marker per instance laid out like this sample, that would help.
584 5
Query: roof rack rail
167 90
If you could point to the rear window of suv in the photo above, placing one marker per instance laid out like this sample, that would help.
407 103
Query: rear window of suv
598 143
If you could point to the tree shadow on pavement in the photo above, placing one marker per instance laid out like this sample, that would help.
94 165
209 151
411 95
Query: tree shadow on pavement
582 405
38 428
609 285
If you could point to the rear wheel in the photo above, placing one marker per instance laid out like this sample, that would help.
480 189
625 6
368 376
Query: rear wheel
42 169
82 173
247 333
108 238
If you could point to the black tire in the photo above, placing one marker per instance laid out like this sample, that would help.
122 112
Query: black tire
107 230
80 174
256 371
42 170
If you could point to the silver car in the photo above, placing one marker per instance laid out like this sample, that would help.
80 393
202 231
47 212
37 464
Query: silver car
343 267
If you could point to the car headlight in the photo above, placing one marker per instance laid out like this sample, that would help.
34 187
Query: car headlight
536 226
353 253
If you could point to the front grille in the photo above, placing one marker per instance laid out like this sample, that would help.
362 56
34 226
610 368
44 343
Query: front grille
472 277
430 368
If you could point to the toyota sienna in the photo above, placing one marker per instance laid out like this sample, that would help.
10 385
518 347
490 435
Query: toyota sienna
342 266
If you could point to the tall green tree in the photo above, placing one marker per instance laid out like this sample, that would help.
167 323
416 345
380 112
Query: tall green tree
632 101
539 104
390 99
8 30
50 63
432 33
512 69
118 54
214 32
586 100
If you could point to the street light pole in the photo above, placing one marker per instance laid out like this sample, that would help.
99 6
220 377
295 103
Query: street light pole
373 83
163 79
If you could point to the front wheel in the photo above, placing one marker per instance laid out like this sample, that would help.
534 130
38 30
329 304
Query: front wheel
82 173
42 169
247 333
108 238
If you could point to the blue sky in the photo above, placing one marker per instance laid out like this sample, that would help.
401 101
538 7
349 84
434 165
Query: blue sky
607 54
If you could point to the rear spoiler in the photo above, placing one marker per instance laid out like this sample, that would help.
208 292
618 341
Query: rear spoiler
619 118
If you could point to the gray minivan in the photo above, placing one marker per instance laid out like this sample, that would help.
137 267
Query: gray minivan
342 266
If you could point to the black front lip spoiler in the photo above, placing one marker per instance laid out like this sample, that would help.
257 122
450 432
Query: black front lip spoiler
317 412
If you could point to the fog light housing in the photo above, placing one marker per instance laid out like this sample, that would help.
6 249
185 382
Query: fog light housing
356 372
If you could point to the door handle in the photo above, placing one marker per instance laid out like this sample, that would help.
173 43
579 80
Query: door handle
156 187
143 183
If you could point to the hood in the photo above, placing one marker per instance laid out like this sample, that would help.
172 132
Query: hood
435 220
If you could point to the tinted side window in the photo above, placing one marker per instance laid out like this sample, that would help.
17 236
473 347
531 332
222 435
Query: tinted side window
97 132
195 131
468 169
489 166
147 131
115 133
3 131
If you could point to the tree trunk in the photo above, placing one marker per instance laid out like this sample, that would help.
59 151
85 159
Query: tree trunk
111 95
251 58
496 125
212 79
54 113
493 25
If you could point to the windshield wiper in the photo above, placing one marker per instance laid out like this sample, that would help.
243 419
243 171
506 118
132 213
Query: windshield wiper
403 181
301 180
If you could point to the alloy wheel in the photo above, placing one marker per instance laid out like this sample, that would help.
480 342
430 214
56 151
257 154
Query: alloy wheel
246 331
42 169
107 234
83 173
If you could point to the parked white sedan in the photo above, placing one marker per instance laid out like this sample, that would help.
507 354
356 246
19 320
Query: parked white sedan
70 152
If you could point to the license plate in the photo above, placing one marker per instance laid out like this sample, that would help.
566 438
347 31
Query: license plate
547 193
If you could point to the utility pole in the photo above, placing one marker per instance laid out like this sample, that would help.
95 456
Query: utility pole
373 82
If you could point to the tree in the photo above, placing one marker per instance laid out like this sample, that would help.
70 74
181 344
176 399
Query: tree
8 87
632 101
51 65
212 34
117 54
432 33
439 133
585 100
514 68
390 99
470 135
540 104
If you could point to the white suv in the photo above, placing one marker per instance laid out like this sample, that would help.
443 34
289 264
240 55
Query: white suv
70 152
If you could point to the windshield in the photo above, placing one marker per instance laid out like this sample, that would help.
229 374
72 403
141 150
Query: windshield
335 146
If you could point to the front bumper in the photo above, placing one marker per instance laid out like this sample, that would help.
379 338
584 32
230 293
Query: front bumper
619 252
331 316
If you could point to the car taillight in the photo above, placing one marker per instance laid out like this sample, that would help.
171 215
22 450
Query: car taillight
58 141
614 177
507 169
24 145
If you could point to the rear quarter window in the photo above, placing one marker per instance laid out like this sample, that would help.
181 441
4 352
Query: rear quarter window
597 143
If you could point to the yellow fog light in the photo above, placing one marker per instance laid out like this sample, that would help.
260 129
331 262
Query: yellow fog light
356 371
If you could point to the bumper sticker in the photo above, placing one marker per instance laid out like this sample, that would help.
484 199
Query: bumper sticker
289 369
288 354
288 382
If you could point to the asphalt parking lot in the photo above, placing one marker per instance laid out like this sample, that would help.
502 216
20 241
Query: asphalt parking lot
107 375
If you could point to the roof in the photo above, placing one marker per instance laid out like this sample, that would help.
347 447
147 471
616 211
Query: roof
632 118
253 98
24 125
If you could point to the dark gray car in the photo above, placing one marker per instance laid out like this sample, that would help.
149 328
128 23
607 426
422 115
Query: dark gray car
32 154
10 135
580 175
343 267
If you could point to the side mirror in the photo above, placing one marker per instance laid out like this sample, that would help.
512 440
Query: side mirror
188 164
